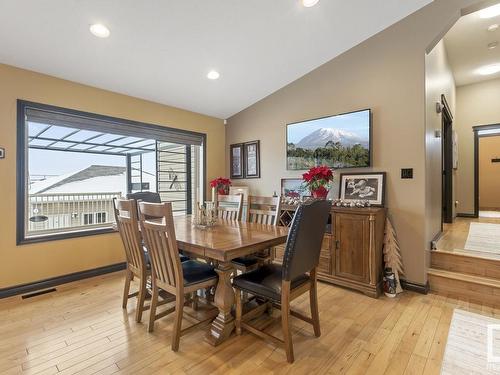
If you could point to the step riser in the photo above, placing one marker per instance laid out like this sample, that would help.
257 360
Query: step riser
465 290
466 264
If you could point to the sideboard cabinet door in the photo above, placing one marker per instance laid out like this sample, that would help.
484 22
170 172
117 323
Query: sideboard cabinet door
351 246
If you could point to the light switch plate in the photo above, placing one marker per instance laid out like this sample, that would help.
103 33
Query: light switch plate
2 153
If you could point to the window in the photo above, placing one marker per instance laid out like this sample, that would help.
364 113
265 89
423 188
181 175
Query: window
71 165
100 217
88 219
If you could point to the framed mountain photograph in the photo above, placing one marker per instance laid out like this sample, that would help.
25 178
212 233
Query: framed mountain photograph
341 141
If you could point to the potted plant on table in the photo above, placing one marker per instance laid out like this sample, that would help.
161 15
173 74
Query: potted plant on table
318 180
221 184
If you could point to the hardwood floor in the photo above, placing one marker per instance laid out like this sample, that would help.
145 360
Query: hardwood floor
455 236
82 329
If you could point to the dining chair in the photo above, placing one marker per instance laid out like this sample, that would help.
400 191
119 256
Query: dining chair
137 263
229 207
150 197
260 210
168 272
145 196
280 285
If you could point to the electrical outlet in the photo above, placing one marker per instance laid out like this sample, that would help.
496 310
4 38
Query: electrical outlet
2 153
407 173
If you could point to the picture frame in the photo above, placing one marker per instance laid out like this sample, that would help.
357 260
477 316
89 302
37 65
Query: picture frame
293 188
368 186
236 156
251 154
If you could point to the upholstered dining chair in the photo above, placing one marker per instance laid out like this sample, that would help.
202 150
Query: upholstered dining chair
260 210
282 284
150 197
229 207
145 196
168 273
137 263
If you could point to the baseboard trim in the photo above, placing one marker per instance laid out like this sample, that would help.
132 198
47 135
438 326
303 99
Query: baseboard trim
467 215
58 280
415 287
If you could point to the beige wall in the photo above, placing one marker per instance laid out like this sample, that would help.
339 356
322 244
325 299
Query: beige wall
438 80
27 263
385 73
489 173
477 104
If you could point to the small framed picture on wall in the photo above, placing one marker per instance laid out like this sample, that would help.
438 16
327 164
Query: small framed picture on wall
252 159
236 160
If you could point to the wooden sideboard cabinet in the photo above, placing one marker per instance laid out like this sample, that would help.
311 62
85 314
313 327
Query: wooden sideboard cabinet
351 254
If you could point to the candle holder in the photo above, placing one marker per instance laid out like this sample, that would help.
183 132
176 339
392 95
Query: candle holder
205 215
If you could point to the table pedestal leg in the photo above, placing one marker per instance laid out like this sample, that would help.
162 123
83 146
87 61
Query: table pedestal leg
223 324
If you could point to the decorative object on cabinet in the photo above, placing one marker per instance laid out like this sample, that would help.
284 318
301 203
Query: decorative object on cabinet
318 180
351 203
251 159
221 185
293 188
368 186
352 251
236 160
392 253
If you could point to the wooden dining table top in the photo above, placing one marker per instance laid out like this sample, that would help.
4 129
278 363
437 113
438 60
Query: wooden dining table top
228 239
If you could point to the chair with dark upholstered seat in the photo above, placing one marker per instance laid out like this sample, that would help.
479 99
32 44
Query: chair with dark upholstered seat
229 207
168 273
260 210
137 262
145 196
282 284
150 197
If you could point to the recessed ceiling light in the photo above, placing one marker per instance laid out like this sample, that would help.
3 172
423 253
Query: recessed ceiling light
490 12
488 69
213 74
493 27
99 30
492 45
309 3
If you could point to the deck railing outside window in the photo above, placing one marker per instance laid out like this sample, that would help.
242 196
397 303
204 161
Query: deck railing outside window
54 213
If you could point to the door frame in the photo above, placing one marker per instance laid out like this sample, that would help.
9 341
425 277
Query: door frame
476 130
446 163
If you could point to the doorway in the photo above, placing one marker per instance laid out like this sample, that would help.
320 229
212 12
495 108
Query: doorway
486 171
447 162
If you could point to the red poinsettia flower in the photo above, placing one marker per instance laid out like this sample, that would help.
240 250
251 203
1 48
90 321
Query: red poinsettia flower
318 177
220 183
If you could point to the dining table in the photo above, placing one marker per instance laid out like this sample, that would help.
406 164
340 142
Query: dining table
221 243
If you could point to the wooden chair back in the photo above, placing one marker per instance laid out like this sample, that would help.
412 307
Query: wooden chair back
263 210
158 231
128 225
231 207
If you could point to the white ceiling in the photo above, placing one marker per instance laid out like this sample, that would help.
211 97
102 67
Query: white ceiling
467 48
161 50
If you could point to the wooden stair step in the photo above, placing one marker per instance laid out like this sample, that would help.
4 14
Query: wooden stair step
478 289
467 263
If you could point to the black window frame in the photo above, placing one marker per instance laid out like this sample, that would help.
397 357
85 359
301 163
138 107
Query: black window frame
22 167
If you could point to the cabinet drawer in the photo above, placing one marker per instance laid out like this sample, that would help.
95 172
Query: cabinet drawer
325 265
